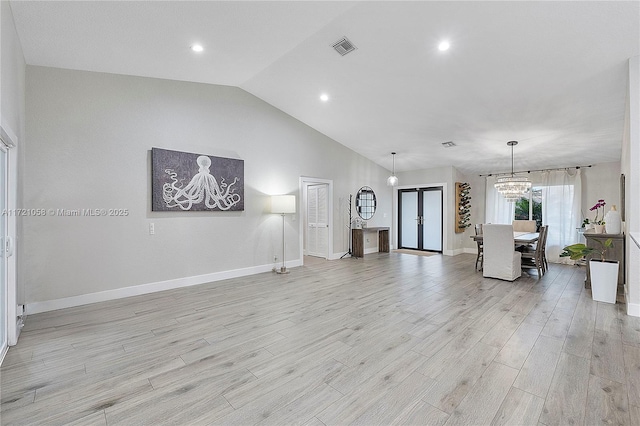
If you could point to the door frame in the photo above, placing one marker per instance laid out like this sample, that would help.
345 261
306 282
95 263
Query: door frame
14 323
305 181
446 234
420 230
4 276
305 218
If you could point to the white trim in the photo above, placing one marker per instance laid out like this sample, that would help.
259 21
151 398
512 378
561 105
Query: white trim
470 250
304 182
120 293
337 256
452 252
371 250
633 309
8 137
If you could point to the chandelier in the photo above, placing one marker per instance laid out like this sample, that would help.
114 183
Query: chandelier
393 179
512 187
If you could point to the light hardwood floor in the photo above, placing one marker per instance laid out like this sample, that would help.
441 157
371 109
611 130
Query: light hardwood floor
388 339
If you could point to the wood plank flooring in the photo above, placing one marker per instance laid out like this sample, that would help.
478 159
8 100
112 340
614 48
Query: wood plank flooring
388 339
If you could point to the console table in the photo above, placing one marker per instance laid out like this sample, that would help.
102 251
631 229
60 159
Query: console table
615 252
357 240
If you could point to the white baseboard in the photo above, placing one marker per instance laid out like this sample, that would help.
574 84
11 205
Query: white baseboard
336 256
470 250
633 309
452 252
120 293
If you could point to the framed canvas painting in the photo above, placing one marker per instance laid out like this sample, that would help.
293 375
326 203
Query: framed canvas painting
183 181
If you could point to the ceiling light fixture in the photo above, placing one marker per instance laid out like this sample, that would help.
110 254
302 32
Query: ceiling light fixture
448 144
197 48
393 179
512 187
324 97
444 45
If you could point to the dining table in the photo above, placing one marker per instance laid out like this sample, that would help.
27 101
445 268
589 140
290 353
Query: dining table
520 238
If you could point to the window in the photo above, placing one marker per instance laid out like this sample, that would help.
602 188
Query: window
529 207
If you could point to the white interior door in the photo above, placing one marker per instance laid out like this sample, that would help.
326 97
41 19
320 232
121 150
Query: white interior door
4 307
318 220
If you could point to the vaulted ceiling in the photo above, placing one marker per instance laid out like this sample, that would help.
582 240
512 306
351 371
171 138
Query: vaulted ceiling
552 75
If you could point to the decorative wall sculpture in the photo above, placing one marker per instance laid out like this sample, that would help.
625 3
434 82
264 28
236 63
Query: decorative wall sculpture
183 181
463 206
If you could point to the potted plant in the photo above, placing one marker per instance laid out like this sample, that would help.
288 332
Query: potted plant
598 224
604 273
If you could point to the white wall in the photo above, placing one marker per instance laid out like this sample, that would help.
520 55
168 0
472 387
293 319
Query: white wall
12 75
90 136
601 181
631 168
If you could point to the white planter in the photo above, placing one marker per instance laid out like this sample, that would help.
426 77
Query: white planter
613 222
604 280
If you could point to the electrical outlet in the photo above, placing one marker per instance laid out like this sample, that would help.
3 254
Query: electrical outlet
275 258
152 228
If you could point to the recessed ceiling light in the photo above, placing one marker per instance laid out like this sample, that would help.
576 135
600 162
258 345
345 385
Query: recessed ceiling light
444 45
197 48
324 97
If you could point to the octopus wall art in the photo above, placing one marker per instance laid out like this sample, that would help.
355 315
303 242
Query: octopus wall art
191 182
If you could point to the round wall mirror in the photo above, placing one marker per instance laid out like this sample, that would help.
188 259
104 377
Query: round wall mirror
366 203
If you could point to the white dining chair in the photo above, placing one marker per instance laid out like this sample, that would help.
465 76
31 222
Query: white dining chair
524 225
501 260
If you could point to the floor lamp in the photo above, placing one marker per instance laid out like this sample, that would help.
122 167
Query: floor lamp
283 204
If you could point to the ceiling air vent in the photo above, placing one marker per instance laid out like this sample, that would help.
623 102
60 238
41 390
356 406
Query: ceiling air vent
344 46
448 144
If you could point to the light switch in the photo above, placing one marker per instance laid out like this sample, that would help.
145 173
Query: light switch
152 229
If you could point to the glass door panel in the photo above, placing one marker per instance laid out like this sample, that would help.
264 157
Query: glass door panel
432 220
409 219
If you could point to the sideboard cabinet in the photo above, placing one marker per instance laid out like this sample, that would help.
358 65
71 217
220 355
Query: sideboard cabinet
358 240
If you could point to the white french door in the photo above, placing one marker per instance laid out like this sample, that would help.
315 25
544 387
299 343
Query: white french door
317 220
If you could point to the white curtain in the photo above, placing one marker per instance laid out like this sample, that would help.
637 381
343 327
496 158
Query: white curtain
497 209
561 201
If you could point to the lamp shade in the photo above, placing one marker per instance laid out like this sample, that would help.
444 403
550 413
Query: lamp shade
283 204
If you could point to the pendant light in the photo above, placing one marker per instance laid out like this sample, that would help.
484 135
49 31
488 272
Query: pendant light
393 179
512 187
